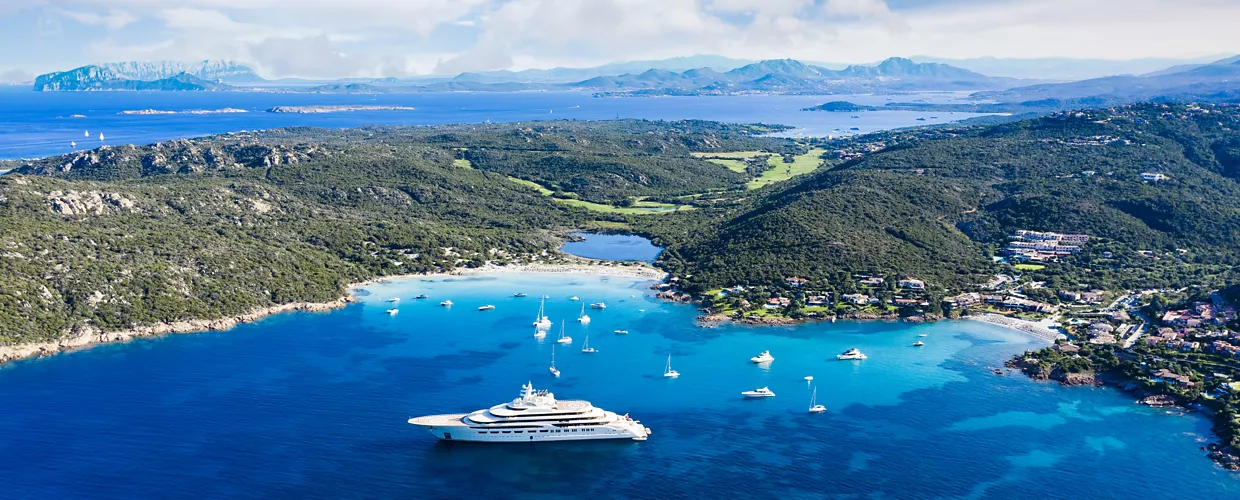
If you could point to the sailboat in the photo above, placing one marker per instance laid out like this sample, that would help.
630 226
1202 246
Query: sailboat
101 136
86 134
668 372
541 320
585 346
72 144
564 339
540 334
814 407
584 318
554 372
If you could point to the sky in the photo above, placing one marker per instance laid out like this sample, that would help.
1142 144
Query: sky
370 38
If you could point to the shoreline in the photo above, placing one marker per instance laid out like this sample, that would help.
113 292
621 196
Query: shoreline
88 337
1040 330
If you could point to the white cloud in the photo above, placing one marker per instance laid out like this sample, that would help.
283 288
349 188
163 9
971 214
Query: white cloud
113 20
377 37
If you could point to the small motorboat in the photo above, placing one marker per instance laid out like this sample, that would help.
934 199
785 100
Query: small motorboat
765 357
446 303
809 378
420 297
394 300
850 354
574 298
598 305
761 392
621 332
918 343
487 307
393 311
921 335
519 295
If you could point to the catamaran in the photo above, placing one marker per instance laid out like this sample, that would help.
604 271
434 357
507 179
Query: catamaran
541 320
584 318
668 372
585 346
814 407
564 339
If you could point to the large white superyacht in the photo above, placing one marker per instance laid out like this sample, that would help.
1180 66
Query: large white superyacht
535 416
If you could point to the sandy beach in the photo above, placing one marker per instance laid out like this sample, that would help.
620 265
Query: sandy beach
1042 330
89 336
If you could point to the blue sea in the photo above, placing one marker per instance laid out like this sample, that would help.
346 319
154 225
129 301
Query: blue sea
620 247
37 124
314 406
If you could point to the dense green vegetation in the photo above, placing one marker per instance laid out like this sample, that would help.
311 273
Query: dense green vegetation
936 203
212 227
218 225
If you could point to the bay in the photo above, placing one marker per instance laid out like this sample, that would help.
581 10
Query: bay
314 406
38 124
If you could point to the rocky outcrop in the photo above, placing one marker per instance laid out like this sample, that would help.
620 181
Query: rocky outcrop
84 203
1159 400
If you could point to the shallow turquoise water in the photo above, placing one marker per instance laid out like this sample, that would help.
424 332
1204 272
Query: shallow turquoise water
314 406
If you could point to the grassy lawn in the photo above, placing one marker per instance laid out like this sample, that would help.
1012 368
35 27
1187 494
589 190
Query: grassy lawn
733 161
462 163
640 206
1029 267
531 184
781 171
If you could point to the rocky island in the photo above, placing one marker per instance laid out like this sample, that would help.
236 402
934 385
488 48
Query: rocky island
334 109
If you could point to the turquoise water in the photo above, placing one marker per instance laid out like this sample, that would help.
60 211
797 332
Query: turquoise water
314 406
621 247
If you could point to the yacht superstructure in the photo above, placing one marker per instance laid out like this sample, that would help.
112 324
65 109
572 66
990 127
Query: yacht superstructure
534 416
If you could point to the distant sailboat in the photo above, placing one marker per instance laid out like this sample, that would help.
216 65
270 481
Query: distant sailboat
86 134
72 144
668 372
564 339
541 320
101 136
554 371
584 318
585 346
814 407
540 334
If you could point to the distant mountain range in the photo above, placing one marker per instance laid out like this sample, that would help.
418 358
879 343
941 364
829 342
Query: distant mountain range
1065 69
160 75
1221 78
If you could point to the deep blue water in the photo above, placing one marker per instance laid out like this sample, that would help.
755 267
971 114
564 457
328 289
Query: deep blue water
314 406
36 124
622 247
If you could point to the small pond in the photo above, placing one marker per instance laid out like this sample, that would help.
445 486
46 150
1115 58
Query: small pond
621 247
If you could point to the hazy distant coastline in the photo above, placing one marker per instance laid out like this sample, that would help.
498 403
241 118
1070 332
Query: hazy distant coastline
334 109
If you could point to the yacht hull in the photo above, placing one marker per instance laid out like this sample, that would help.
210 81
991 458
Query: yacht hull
451 428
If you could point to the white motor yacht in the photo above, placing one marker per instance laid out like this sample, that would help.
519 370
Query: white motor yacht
918 343
487 307
393 311
850 355
598 305
765 357
761 392
534 416
446 303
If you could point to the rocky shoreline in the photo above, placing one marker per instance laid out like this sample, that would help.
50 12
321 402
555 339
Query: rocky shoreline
90 336
1225 457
